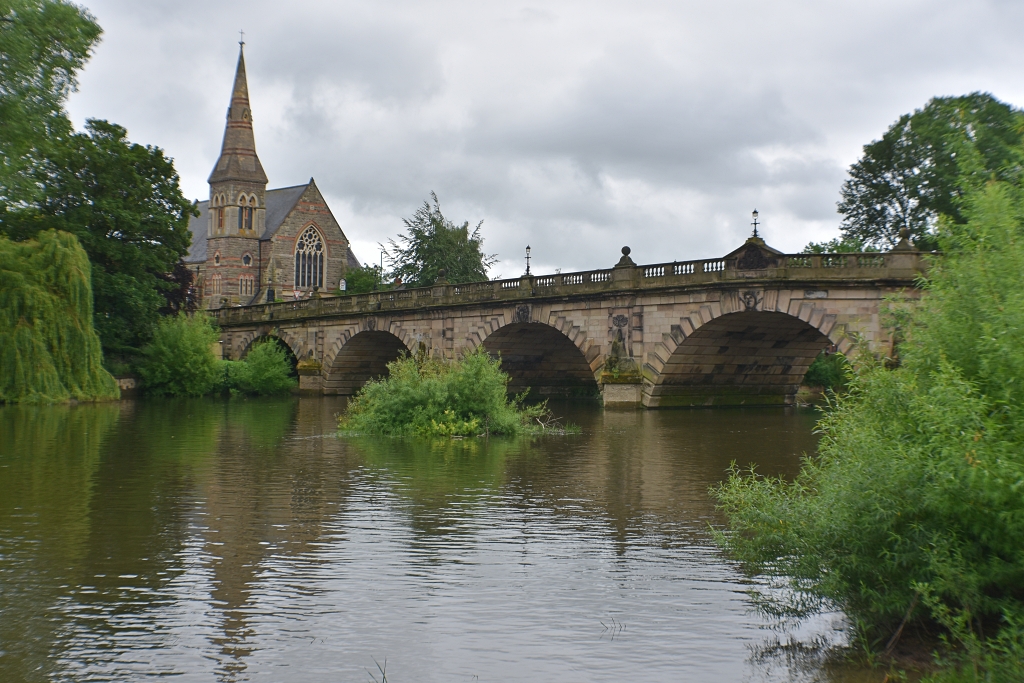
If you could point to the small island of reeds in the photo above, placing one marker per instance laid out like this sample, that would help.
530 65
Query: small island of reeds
429 396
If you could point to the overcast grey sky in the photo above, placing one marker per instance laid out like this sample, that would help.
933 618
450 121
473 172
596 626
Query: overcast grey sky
576 127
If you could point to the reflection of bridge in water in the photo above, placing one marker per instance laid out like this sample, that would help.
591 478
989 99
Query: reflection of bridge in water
741 329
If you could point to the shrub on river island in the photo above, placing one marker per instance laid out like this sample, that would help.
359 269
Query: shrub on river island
434 397
49 350
912 514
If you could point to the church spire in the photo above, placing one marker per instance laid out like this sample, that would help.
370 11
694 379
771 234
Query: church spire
238 161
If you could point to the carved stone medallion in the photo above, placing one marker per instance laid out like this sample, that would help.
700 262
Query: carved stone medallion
522 314
371 324
620 320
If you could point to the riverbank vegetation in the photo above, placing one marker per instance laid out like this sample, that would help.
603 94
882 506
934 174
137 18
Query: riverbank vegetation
911 516
120 199
828 371
49 350
427 396
181 361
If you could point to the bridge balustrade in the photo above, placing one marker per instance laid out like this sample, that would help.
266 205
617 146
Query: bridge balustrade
895 265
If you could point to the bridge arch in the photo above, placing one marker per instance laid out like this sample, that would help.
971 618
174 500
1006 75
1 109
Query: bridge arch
545 359
362 356
750 357
283 338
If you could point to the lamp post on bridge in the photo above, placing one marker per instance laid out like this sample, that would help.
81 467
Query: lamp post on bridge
755 223
527 259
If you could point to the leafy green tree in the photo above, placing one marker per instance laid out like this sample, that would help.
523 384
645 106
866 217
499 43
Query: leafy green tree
43 44
180 361
363 279
923 166
839 245
911 515
123 202
434 243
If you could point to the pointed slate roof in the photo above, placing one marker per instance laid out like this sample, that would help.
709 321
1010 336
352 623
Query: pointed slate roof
238 160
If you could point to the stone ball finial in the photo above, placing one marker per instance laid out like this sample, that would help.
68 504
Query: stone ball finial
442 272
625 251
904 234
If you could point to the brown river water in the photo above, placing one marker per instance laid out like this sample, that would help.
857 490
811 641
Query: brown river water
242 540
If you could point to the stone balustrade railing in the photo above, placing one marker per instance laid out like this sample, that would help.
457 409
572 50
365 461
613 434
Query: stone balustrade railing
895 266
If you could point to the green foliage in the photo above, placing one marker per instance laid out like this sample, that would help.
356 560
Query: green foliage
913 510
266 370
828 371
43 43
48 348
362 280
180 360
839 245
433 397
123 202
435 243
925 164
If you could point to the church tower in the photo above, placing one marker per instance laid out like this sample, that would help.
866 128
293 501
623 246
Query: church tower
237 209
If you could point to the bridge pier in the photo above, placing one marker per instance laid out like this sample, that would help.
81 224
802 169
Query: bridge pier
622 395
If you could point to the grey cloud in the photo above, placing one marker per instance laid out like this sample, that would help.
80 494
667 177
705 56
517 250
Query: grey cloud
575 127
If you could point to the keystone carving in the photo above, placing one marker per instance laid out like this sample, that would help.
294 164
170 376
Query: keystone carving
751 300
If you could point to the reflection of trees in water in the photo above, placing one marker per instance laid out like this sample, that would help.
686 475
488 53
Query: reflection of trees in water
49 455
438 481
638 473
219 489
277 484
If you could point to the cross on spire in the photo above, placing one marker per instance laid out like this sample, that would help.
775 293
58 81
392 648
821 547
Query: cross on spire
241 38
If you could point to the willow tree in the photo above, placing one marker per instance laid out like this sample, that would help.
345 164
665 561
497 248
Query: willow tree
49 350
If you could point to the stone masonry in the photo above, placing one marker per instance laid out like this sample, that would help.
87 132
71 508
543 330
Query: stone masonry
740 330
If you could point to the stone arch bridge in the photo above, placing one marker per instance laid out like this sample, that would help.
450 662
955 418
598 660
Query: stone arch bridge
739 330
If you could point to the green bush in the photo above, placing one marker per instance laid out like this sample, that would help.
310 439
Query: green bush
49 350
265 371
433 397
180 360
828 371
913 510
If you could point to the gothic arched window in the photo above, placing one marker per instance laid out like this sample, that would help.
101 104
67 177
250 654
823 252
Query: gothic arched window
245 212
309 259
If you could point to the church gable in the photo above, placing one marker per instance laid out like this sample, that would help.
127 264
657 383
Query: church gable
298 261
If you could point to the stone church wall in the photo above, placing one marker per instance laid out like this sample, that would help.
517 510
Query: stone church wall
311 209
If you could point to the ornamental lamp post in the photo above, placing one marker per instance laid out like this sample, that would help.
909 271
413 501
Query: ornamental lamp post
527 259
755 223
